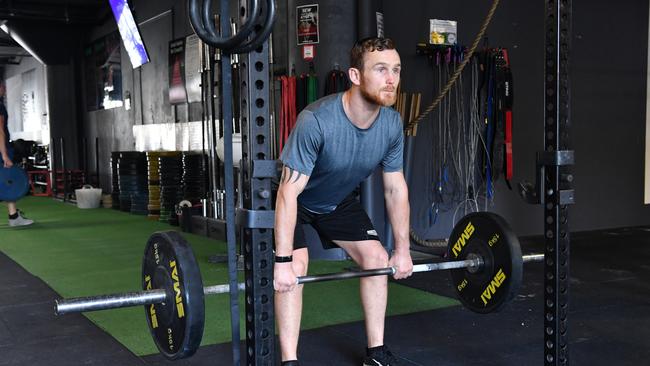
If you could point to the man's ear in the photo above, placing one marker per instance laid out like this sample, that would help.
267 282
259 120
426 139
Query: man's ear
355 75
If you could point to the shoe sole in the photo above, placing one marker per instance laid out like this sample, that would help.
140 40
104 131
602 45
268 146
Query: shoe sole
19 225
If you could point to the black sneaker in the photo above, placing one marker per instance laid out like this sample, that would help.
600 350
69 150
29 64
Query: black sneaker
380 356
290 363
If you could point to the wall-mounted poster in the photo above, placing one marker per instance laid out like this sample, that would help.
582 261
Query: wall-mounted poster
177 93
193 68
307 24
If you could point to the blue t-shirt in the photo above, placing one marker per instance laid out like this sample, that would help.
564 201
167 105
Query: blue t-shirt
336 154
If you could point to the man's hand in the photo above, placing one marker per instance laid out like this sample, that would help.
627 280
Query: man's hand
284 279
7 161
402 261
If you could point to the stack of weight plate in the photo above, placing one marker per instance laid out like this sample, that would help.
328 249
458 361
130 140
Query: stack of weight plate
194 177
154 185
171 172
134 196
115 182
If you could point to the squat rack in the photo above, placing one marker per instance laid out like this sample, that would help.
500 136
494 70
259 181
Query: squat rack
553 187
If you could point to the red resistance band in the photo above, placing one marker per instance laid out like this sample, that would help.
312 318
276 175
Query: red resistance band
508 144
287 108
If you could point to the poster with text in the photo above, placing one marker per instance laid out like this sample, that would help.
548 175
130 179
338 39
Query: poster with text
193 68
307 24
177 93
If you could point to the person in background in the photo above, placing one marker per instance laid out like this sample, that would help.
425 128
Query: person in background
16 217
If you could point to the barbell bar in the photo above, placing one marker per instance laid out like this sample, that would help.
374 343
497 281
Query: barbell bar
148 297
475 263
484 259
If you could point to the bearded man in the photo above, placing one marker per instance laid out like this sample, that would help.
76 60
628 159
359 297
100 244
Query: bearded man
339 141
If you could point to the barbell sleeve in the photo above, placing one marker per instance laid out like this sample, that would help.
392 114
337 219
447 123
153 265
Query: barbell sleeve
466 263
533 258
221 289
125 299
105 302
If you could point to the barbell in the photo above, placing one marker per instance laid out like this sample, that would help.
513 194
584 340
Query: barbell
486 271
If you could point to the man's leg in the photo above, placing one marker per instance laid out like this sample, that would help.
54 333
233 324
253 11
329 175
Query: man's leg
11 207
15 217
369 254
288 309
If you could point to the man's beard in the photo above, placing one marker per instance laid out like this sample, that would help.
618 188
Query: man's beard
379 97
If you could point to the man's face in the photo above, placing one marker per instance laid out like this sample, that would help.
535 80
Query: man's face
380 77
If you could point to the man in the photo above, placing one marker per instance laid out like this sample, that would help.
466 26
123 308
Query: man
6 154
338 141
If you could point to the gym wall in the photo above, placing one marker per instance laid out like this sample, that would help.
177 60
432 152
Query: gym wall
608 100
159 22
609 57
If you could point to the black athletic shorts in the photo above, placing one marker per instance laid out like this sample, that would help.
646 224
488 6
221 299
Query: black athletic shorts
348 222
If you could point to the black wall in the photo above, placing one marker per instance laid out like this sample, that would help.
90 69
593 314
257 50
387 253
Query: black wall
608 77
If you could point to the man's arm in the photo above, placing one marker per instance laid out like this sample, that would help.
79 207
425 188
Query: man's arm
397 206
292 184
4 149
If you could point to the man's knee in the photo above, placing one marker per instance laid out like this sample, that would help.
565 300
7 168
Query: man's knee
299 267
374 257
300 262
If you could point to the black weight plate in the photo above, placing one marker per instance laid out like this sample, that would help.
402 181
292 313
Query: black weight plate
176 325
489 237
14 183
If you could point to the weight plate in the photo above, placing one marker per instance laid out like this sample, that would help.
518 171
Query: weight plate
14 183
177 324
489 237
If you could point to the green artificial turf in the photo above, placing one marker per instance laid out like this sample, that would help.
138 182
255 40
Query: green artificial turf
94 251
